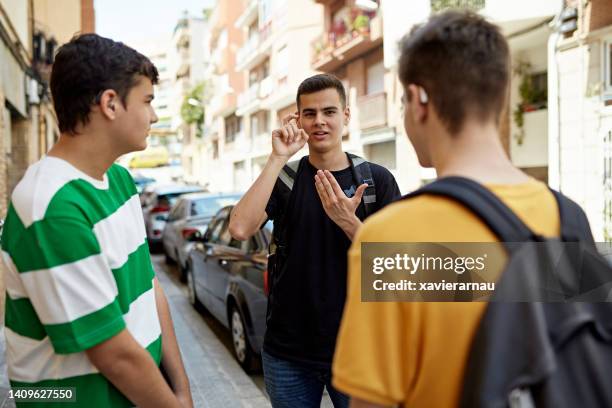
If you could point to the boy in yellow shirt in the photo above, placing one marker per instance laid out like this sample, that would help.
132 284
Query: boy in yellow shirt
455 74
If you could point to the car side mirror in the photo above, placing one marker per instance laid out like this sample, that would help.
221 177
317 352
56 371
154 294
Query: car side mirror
196 237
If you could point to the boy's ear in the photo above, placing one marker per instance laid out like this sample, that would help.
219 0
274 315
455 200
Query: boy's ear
108 103
347 115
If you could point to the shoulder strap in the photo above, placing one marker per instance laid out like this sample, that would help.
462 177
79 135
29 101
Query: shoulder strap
490 209
363 174
574 223
287 176
289 172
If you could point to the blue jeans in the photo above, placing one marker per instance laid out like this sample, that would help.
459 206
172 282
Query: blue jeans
294 385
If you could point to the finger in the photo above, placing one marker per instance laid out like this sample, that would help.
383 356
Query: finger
334 184
359 193
291 134
295 129
321 190
288 118
328 187
285 134
304 135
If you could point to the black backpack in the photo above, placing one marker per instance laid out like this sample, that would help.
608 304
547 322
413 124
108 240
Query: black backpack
553 353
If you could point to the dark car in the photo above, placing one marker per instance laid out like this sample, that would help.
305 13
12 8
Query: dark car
230 279
191 213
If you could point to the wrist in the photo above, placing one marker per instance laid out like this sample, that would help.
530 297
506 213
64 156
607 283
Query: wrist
278 160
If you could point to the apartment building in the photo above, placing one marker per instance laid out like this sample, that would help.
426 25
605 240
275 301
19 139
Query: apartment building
30 32
580 109
223 128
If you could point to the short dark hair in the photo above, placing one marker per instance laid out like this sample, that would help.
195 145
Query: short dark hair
318 83
87 66
462 61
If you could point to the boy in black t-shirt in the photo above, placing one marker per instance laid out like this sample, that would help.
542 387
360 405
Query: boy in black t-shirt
320 214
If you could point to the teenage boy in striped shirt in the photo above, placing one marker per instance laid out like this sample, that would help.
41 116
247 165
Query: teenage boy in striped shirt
84 309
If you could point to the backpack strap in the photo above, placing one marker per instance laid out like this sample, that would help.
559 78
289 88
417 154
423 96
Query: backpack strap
482 202
287 176
574 223
363 174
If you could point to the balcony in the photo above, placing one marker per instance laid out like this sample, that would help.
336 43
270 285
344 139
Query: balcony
372 111
248 15
250 100
256 50
342 43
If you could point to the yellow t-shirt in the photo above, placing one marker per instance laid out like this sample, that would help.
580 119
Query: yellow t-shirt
414 353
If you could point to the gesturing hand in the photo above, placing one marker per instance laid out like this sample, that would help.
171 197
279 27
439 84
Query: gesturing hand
336 204
287 140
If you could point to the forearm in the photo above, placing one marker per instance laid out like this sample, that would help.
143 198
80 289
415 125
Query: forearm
130 368
248 213
171 355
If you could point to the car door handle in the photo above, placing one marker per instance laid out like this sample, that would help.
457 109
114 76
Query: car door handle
222 262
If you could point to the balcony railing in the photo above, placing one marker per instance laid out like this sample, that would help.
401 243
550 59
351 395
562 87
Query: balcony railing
440 5
346 33
259 90
372 110
247 49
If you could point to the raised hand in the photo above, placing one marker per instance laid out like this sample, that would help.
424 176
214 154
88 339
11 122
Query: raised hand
289 139
336 204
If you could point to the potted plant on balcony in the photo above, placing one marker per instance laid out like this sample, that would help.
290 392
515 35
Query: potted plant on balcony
361 24
532 98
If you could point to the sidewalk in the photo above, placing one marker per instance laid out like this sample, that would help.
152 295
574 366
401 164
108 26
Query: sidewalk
217 381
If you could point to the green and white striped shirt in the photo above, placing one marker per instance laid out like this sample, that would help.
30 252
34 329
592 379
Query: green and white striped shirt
79 272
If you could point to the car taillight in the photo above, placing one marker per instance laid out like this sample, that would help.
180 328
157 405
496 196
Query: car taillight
187 232
156 232
159 209
266 282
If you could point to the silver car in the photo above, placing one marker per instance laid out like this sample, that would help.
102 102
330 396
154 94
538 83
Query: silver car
156 203
191 213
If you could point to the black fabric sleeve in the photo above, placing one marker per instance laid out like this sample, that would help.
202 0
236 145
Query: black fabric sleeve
387 190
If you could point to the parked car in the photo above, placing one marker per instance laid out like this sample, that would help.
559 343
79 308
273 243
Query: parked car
230 279
157 202
154 156
191 213
142 182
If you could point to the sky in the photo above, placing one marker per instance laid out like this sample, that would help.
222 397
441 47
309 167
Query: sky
135 21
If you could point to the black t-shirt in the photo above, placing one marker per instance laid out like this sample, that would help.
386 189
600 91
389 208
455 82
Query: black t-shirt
309 296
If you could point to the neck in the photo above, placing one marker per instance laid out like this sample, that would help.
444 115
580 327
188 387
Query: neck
332 160
85 152
477 153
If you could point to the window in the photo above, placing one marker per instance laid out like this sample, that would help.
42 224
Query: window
209 206
282 62
233 126
376 78
260 123
381 153
215 231
607 71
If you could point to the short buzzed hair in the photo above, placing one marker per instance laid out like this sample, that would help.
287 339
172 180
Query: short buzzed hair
320 82
463 62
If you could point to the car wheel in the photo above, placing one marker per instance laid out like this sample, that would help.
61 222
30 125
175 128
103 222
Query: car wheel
240 340
191 290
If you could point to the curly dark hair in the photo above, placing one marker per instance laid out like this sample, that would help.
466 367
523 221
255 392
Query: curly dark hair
320 82
463 63
87 66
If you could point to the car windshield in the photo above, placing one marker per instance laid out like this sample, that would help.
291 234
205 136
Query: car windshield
209 206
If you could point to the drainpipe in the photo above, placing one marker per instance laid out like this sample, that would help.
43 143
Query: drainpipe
554 104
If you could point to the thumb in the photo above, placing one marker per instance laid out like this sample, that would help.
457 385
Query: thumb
359 193
304 135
